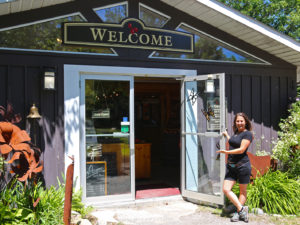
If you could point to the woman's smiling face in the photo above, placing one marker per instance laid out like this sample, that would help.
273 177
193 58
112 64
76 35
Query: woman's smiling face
240 123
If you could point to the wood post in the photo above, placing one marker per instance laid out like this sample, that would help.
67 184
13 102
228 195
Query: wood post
68 193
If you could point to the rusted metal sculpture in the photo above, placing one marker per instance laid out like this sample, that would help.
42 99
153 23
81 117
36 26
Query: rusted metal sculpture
68 193
15 143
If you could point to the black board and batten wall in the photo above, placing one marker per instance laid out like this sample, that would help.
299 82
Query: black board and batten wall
262 91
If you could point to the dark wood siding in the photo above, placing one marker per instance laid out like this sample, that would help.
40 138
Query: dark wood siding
21 86
264 99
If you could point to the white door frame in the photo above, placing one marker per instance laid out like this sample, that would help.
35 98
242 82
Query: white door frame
72 126
194 195
108 198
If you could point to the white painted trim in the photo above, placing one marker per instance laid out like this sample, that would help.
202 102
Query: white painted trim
251 23
72 102
192 193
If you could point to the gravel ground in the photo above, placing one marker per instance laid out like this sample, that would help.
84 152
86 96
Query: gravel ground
176 212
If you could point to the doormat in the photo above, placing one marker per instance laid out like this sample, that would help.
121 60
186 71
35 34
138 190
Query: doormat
155 190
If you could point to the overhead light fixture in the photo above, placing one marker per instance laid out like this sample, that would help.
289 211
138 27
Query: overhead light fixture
49 79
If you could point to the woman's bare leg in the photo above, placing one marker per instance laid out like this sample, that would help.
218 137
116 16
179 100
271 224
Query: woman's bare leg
243 193
227 189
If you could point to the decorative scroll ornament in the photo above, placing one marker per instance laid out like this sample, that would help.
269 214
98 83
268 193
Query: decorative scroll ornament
193 96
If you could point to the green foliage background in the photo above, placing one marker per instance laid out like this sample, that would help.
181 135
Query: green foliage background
282 15
287 148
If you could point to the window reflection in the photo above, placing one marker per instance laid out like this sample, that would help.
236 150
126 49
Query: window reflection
207 48
44 36
107 102
151 18
113 14
107 149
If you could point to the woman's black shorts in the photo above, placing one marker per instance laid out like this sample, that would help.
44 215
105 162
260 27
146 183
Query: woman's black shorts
241 173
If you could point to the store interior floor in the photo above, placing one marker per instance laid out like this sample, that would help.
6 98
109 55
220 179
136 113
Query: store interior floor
161 176
164 181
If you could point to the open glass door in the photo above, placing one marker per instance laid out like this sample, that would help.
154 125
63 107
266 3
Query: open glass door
203 120
107 138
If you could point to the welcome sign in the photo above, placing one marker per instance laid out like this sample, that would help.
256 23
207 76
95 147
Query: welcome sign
131 33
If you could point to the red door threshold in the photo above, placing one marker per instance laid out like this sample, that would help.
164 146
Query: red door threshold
156 192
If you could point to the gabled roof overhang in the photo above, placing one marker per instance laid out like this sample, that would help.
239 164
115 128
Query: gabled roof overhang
241 26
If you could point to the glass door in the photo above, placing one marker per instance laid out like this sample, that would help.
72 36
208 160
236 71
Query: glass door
203 120
107 137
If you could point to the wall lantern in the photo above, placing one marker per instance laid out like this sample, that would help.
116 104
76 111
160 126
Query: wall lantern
49 80
210 86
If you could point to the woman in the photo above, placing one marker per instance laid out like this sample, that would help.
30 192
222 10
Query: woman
238 166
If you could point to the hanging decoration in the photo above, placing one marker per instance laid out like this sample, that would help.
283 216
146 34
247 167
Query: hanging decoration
208 113
193 96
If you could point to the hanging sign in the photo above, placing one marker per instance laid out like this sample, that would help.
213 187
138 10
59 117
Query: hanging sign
101 114
131 33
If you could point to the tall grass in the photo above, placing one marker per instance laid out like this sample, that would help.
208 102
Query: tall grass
31 204
275 193
34 204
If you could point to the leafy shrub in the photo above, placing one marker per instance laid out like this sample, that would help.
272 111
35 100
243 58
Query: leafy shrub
287 148
31 204
78 206
275 193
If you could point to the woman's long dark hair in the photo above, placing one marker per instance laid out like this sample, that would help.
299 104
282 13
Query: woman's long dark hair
248 123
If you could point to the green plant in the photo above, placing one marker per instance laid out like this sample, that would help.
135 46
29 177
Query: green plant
78 206
31 204
262 153
287 148
50 208
275 193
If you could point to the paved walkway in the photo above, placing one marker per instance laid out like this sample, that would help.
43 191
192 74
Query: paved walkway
168 211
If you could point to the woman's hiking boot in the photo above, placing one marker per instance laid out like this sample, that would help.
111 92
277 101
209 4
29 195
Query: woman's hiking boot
243 214
235 217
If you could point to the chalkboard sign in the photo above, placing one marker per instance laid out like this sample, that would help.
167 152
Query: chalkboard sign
96 179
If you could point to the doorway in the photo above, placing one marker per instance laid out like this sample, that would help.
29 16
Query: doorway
76 128
157 137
